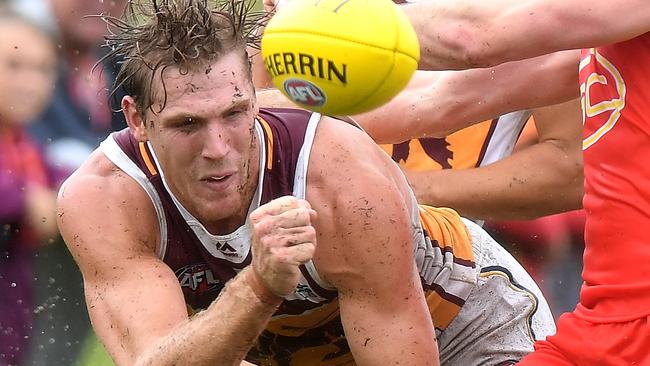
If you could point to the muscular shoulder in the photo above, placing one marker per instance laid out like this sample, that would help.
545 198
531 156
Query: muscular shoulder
361 198
341 148
101 207
98 181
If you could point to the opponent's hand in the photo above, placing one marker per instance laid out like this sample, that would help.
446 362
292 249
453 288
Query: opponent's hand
283 239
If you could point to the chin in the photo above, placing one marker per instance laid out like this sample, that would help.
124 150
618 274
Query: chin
218 210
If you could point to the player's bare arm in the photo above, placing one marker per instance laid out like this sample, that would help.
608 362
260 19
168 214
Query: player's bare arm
436 104
541 179
458 34
365 248
134 300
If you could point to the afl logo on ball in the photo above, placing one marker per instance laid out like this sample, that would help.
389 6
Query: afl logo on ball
304 92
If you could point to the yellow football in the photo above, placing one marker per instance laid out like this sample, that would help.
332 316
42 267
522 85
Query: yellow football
340 57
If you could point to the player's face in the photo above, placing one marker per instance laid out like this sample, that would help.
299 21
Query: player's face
206 143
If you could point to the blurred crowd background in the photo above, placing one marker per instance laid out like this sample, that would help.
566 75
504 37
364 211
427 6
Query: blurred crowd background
55 108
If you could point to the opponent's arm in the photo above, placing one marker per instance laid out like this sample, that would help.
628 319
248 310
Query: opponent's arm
458 34
365 249
541 179
134 299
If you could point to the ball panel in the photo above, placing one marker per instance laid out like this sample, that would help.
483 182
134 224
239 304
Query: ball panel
407 39
395 80
348 22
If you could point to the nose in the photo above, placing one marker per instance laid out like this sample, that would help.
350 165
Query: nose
216 144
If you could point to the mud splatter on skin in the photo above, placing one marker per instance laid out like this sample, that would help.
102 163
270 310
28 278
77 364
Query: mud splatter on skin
365 211
241 187
191 88
238 94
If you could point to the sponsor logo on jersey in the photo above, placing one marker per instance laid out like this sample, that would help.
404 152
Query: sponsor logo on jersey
303 64
304 92
197 278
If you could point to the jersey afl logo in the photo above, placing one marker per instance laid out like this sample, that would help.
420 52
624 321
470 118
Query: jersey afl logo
602 91
304 92
197 278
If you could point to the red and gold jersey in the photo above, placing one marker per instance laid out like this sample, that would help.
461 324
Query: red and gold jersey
471 147
615 88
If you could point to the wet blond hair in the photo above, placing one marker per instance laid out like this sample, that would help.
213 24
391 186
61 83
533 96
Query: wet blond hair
154 35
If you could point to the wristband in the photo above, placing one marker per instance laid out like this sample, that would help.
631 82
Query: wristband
261 291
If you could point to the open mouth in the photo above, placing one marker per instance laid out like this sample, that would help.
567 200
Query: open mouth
218 182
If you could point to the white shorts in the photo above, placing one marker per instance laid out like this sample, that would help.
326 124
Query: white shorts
503 315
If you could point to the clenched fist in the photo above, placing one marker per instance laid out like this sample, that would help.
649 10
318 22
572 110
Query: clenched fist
283 239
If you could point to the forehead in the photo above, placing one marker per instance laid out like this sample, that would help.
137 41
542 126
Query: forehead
219 83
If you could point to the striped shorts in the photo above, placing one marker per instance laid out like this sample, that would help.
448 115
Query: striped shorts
504 314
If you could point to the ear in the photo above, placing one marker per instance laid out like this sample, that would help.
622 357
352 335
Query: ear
134 119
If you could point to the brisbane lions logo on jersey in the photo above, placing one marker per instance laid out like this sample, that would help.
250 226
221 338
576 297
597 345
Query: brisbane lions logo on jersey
437 149
601 102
